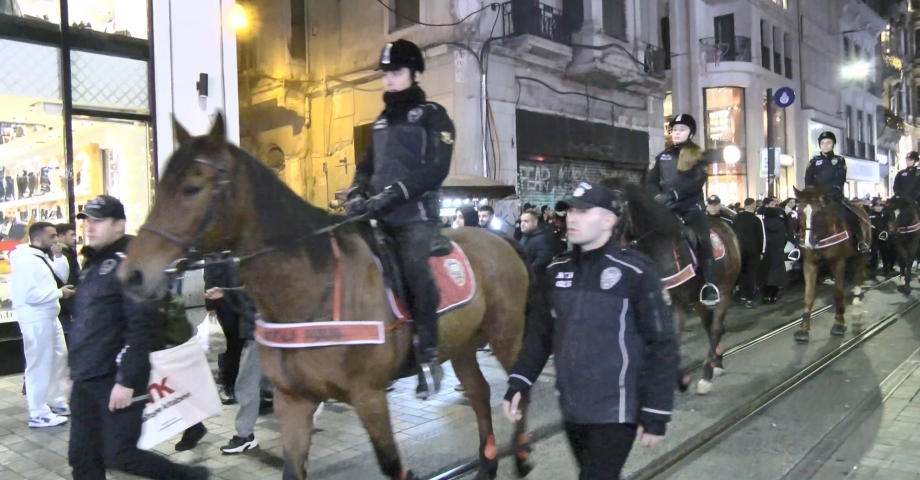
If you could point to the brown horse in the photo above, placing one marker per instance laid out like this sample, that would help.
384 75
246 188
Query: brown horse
826 239
903 220
292 257
659 234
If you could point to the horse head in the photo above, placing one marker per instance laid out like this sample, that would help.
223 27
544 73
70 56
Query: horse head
816 219
899 213
215 198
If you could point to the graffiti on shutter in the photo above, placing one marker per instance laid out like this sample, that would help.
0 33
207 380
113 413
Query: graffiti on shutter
545 183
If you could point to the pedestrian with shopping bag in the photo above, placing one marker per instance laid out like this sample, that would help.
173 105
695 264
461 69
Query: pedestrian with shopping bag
109 360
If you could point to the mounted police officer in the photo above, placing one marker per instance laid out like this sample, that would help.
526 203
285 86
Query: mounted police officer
828 171
907 182
397 182
677 178
603 315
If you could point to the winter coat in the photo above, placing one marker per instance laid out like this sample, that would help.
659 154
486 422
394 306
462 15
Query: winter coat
35 283
773 268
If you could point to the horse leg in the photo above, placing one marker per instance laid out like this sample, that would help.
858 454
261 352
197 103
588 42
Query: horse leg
371 408
704 386
811 277
680 317
506 353
839 326
905 272
478 393
296 432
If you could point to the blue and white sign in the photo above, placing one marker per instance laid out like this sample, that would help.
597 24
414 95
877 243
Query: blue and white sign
784 97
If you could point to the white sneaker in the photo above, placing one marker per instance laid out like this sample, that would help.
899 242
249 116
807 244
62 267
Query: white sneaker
318 412
62 411
50 420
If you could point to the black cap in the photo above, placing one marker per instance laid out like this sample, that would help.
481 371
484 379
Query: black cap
829 135
913 156
401 54
684 119
590 195
713 200
102 207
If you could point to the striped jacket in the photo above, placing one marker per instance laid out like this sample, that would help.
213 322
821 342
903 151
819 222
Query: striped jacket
613 337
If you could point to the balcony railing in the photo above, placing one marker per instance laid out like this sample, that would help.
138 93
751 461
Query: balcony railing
726 49
530 17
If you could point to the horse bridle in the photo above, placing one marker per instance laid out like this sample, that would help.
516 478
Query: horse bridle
195 259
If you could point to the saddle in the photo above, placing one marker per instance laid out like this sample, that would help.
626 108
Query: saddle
384 248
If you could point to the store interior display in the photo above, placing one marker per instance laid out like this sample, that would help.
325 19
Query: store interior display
117 17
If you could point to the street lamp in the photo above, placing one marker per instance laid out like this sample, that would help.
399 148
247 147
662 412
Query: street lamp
856 70
731 154
239 19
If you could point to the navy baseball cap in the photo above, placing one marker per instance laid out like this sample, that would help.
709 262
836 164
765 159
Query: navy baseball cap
592 195
102 207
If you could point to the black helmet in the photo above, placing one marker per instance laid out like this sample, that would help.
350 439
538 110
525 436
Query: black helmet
913 156
829 135
684 119
402 54
714 200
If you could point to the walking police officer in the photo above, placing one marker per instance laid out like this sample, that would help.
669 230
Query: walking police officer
604 317
677 178
907 182
828 171
398 180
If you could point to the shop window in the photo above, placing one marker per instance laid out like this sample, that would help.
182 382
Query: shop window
405 14
724 107
33 11
124 18
668 111
729 182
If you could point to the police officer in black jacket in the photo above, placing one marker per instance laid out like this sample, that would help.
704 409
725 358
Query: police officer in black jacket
907 182
677 178
880 247
828 171
402 171
603 316
109 360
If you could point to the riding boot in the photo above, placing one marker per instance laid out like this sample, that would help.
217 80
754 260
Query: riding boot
709 294
428 360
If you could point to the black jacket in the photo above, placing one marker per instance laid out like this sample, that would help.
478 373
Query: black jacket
681 171
750 231
828 171
222 275
111 333
538 249
410 153
73 279
879 223
777 227
613 337
907 183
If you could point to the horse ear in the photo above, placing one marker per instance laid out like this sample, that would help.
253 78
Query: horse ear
798 193
182 134
218 133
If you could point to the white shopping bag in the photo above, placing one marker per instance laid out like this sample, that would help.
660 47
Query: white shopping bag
211 335
181 393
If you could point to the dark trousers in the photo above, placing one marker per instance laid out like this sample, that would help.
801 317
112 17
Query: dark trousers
881 250
101 440
413 247
750 270
228 363
601 449
697 221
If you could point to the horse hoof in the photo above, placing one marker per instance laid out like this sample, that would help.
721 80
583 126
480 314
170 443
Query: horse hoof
838 329
422 394
856 301
683 384
703 387
486 475
523 467
801 336
905 289
410 475
718 372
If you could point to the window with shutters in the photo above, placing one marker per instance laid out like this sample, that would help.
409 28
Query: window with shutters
615 19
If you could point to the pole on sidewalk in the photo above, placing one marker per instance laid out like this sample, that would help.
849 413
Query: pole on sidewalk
771 153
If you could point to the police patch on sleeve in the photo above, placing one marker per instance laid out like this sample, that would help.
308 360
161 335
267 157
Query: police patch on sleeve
107 266
610 277
447 138
414 115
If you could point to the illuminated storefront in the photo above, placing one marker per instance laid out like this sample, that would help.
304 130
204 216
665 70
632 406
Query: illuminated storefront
724 127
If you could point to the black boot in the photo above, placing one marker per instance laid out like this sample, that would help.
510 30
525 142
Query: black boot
709 294
191 437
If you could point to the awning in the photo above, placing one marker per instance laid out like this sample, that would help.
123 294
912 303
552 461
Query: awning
471 186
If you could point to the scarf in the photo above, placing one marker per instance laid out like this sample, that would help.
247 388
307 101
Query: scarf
399 103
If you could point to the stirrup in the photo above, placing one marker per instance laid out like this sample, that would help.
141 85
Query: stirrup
710 303
431 381
883 236
863 247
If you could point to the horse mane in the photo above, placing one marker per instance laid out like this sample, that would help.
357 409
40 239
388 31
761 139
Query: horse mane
643 214
286 221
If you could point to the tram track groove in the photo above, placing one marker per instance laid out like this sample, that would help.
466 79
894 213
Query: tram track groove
703 441
555 428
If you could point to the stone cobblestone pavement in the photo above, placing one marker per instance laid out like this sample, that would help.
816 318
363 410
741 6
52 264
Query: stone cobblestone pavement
41 454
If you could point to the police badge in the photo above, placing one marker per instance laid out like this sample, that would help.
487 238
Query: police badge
834 161
610 277
414 115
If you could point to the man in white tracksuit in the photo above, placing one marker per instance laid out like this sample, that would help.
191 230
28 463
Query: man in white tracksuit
38 283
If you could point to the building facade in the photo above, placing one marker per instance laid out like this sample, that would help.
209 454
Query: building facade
543 94
87 92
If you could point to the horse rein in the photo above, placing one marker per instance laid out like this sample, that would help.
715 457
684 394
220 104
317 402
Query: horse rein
194 259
